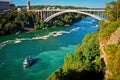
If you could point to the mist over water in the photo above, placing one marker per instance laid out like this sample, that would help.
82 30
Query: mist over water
48 48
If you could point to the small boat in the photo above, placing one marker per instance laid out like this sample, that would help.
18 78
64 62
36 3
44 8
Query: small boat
28 61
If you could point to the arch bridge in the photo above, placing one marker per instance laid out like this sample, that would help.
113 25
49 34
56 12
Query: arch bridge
47 15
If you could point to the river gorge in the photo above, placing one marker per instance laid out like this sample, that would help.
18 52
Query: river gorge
48 47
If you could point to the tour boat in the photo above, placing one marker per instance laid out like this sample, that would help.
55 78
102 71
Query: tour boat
28 61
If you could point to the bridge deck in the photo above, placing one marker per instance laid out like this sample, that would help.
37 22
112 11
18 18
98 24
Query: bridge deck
47 15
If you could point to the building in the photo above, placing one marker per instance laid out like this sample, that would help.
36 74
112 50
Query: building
5 5
21 9
28 5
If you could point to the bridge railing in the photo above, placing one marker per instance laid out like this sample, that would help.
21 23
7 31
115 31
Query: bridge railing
82 9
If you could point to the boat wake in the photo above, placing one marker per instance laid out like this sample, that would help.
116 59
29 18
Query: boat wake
51 34
5 43
55 33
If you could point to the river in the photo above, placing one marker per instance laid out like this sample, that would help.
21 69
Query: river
48 47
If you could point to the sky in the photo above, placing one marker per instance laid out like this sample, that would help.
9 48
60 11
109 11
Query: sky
80 3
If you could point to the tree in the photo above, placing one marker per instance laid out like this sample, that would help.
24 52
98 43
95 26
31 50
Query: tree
111 11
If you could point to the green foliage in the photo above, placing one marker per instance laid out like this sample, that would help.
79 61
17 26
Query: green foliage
39 24
118 55
15 22
78 54
68 60
91 49
84 62
113 58
106 31
102 24
66 19
55 7
111 11
110 48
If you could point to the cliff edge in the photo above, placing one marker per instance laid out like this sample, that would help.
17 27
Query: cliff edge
110 55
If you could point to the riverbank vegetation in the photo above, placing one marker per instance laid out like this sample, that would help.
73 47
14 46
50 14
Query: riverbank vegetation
84 64
54 7
16 22
66 19
98 56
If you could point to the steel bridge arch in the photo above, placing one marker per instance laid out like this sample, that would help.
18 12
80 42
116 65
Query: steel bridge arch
74 11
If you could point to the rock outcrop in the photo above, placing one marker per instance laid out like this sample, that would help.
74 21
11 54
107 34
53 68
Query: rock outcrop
114 39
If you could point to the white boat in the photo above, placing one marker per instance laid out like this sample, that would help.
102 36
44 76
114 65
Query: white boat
28 61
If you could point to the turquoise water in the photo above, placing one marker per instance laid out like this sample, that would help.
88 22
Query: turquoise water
48 48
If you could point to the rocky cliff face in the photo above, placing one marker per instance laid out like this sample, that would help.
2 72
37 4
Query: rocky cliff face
115 37
110 51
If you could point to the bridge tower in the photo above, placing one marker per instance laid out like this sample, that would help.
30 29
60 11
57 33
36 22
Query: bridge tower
28 5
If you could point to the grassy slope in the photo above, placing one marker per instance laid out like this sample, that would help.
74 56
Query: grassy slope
111 51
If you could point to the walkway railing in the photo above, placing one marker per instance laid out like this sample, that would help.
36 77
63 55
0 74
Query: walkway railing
50 13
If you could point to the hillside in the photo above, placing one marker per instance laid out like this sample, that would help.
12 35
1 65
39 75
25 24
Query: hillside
84 64
109 37
98 56
110 54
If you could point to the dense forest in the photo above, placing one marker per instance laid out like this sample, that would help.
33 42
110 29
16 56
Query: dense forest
16 22
87 62
84 64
